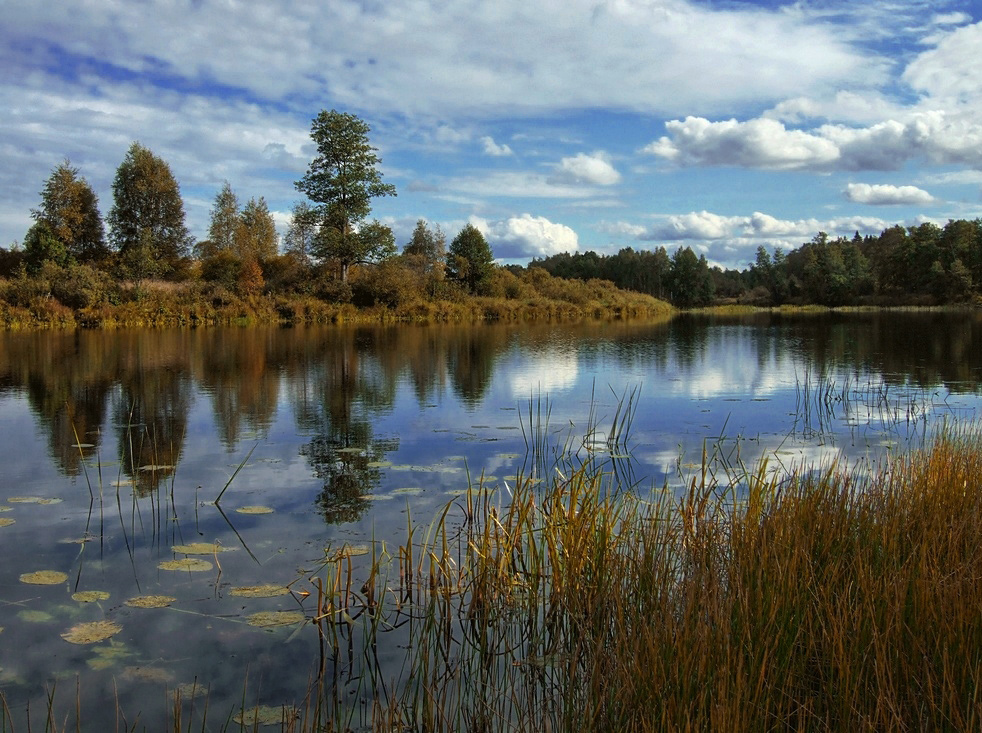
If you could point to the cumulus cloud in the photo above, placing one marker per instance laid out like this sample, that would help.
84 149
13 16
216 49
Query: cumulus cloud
527 236
885 194
768 144
494 149
594 169
705 226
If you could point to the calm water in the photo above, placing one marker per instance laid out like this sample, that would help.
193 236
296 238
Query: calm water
115 446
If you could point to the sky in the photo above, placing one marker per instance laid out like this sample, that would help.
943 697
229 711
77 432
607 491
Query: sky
553 126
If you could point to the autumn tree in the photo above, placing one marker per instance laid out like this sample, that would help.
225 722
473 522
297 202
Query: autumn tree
224 224
427 246
147 219
343 179
255 233
470 260
70 211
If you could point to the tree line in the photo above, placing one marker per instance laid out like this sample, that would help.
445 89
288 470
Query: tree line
922 264
329 231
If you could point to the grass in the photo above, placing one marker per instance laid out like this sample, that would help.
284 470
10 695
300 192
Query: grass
824 598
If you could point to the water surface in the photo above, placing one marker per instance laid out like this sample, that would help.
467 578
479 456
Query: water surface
116 444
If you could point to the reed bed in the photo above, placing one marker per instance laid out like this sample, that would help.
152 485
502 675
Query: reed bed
819 600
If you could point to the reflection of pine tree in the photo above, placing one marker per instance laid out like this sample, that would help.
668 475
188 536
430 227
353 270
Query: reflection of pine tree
472 354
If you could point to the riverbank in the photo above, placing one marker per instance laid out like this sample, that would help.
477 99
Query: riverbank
34 304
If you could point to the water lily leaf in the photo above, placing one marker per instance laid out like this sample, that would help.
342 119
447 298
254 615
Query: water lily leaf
349 551
268 619
410 491
44 577
35 617
351 450
33 500
91 632
254 510
150 601
83 445
6 508
189 690
265 715
154 467
369 497
191 564
378 464
88 596
260 591
4 522
202 548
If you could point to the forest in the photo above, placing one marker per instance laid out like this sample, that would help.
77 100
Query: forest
140 265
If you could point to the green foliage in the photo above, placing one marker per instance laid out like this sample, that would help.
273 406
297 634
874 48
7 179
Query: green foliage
147 219
224 224
255 233
41 246
299 239
470 260
222 268
70 209
691 283
343 179
372 242
79 286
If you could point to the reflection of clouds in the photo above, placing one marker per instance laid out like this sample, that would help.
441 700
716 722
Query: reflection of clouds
546 372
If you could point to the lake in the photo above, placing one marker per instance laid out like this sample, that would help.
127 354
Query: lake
331 442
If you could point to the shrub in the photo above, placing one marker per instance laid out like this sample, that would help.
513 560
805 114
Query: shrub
221 268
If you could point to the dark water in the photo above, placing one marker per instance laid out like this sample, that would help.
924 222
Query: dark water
115 446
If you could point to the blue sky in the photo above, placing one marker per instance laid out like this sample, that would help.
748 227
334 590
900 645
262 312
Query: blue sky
553 126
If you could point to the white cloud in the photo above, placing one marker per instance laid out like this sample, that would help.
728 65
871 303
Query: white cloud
527 236
592 169
696 225
885 194
494 149
767 144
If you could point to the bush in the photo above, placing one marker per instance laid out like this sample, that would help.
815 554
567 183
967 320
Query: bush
222 268
79 286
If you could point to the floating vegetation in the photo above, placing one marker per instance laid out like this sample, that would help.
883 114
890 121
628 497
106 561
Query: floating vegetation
108 656
147 674
44 577
154 467
191 564
150 601
348 551
269 619
378 464
351 450
474 491
202 548
88 596
35 617
6 508
190 690
122 482
4 522
409 491
83 445
254 510
260 591
91 632
367 497
266 715
33 500
76 540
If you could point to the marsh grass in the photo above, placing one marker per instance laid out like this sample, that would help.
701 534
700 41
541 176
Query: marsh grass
820 598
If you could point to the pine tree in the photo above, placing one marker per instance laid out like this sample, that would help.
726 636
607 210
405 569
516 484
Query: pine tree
70 210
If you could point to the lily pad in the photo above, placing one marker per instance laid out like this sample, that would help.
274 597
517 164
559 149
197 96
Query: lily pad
260 591
154 467
254 510
191 564
150 601
349 551
265 715
6 508
190 690
147 674
83 445
33 500
370 497
91 632
202 548
88 596
44 577
269 619
351 450
378 464
4 522
407 491
35 617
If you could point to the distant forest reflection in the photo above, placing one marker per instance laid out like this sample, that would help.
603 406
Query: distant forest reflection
132 391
